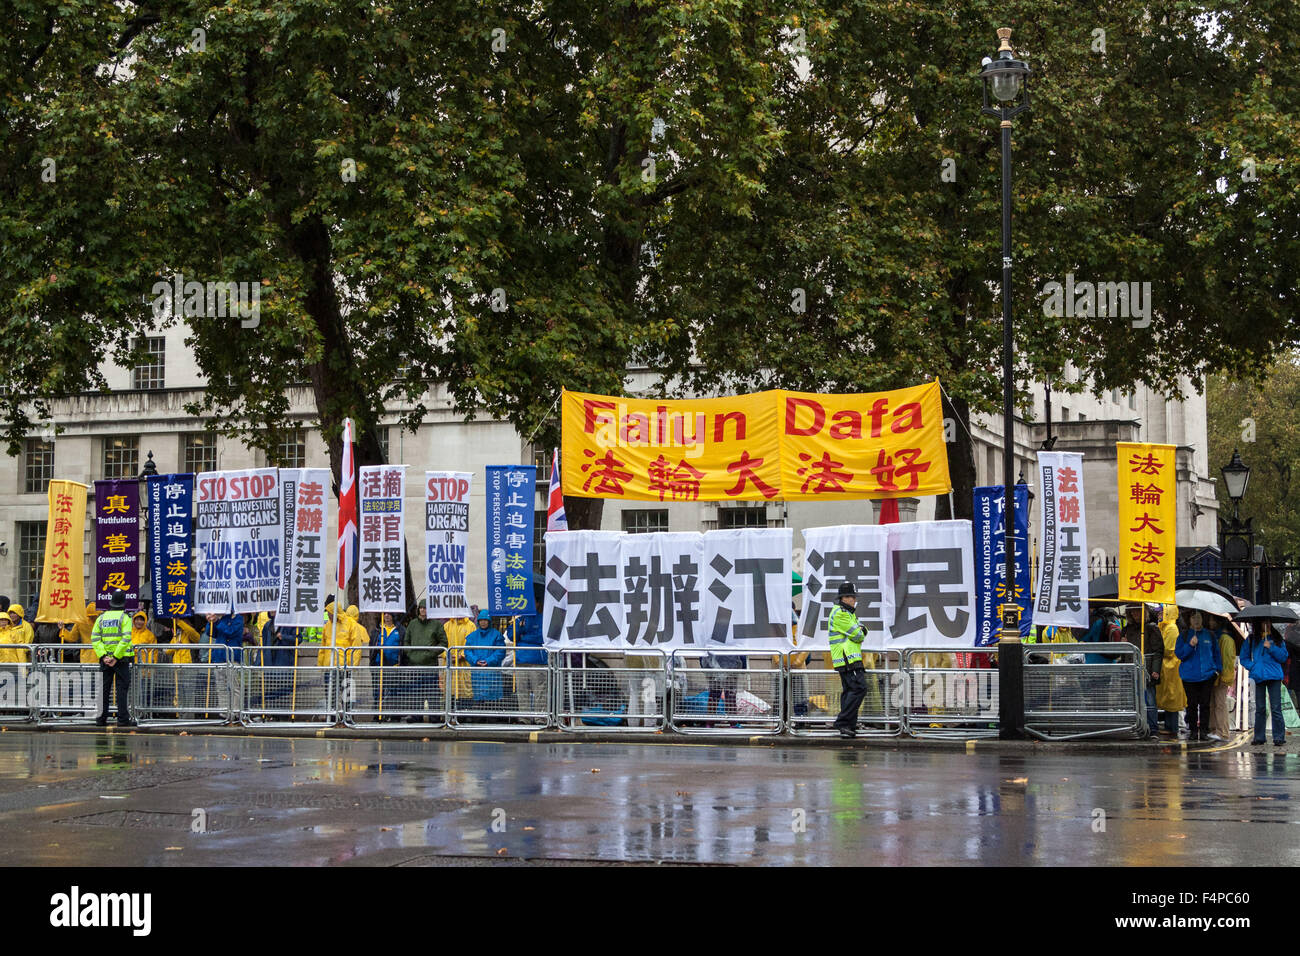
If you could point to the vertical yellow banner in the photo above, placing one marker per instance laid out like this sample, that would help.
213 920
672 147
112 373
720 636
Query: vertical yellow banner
1147 521
63 581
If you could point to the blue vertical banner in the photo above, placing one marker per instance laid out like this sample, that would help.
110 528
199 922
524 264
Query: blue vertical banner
171 502
511 501
990 561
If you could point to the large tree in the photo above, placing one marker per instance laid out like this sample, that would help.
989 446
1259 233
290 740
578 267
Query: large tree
1153 153
505 199
1257 417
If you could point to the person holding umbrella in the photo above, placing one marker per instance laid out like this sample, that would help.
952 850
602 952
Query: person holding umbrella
1263 655
1199 651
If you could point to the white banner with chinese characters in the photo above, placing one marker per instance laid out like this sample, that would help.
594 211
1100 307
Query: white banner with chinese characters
305 575
1062 585
237 537
660 585
671 590
446 538
382 543
584 606
748 582
856 554
915 583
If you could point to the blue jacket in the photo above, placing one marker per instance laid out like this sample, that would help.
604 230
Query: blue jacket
1264 663
528 643
487 647
228 630
281 645
1200 662
391 641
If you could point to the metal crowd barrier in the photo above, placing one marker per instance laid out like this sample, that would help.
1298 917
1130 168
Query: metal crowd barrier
275 694
595 693
939 698
167 693
498 695
406 694
814 696
71 691
1066 701
708 698
16 703
919 692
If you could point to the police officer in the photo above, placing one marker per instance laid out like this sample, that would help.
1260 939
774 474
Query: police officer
112 642
846 636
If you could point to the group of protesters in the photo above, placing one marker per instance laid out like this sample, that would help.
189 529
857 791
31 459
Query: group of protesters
1190 661
480 645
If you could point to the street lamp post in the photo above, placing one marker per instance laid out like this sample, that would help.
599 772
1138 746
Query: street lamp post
150 469
1237 537
1006 96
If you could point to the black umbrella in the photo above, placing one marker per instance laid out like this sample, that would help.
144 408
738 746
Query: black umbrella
1106 586
1271 612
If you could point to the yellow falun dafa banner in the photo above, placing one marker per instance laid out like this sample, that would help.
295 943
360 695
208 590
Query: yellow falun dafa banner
797 446
1147 521
63 588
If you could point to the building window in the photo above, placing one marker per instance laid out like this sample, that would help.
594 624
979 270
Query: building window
31 560
290 451
539 544
121 457
645 520
201 452
1133 401
383 442
151 374
542 459
1083 417
1114 395
38 468
742 517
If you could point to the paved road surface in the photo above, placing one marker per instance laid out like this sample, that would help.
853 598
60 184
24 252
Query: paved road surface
105 798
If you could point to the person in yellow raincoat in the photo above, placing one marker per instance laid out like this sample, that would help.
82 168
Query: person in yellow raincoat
24 627
457 630
182 634
19 632
1170 696
342 632
140 633
8 637
1220 721
81 635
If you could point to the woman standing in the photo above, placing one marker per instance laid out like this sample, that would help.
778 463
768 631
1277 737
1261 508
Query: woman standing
1199 651
1263 656
1220 725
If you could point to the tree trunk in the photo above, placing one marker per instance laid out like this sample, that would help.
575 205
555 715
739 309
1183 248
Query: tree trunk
584 514
961 463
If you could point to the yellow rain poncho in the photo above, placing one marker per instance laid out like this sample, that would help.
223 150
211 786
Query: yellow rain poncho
1170 695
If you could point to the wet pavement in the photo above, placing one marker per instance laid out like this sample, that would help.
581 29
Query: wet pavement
152 799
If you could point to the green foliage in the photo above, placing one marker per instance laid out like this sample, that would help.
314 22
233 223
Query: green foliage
1257 418
538 169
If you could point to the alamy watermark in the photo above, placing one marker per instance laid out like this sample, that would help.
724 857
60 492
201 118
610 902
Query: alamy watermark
52 691
1087 300
212 300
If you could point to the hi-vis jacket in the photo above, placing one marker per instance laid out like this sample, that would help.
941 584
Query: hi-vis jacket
846 637
112 635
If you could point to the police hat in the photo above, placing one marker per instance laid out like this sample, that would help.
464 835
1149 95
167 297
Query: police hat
117 600
848 590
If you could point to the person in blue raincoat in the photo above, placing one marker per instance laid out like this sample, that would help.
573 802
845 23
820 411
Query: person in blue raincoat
485 649
1198 649
227 630
1264 656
